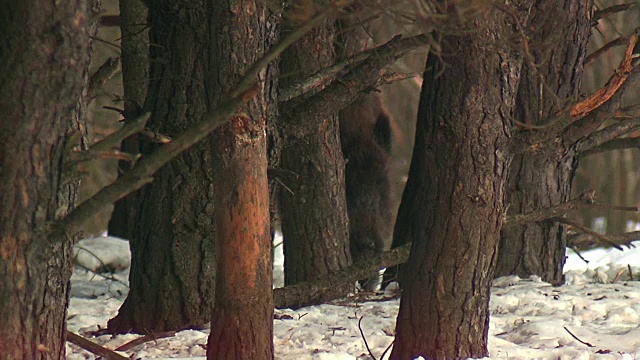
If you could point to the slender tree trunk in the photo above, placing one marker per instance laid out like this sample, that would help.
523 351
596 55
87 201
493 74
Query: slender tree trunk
170 221
44 65
453 206
242 320
551 79
313 205
135 76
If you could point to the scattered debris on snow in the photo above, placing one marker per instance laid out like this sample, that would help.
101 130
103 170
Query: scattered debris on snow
591 317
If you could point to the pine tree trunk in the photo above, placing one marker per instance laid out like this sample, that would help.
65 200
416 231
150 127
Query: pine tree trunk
313 205
134 57
558 35
170 221
453 206
44 66
242 319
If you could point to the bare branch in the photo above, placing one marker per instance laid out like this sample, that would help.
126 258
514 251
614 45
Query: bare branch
349 88
130 128
609 133
105 72
601 14
596 235
307 293
579 120
326 75
620 239
613 43
585 201
93 347
615 144
141 340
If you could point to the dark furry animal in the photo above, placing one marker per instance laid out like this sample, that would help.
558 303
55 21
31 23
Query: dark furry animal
365 134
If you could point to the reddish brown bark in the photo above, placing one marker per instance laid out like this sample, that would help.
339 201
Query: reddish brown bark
242 319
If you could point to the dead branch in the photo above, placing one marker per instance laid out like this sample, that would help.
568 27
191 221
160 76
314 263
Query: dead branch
326 75
142 172
105 72
584 201
309 293
613 43
601 14
579 120
93 347
355 83
115 139
605 94
620 239
615 144
599 237
141 340
606 135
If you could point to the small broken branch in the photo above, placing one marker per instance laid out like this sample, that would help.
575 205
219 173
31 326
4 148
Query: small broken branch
605 94
93 347
620 239
105 72
615 144
141 340
600 237
585 201
606 135
312 292
575 337
115 139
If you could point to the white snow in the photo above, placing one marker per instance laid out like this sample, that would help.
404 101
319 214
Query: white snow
530 319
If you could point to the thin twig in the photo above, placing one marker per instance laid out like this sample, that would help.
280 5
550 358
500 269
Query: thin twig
364 338
579 255
141 340
575 337
93 347
387 349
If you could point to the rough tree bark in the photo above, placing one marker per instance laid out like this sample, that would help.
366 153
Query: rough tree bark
313 206
551 77
170 221
453 207
134 47
242 319
44 67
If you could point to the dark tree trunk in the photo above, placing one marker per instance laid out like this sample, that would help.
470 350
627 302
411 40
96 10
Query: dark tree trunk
44 66
135 75
170 221
313 206
558 35
242 320
453 206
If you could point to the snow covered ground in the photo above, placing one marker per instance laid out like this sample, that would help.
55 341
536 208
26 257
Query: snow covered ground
596 315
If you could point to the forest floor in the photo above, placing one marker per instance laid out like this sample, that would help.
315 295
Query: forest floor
595 315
